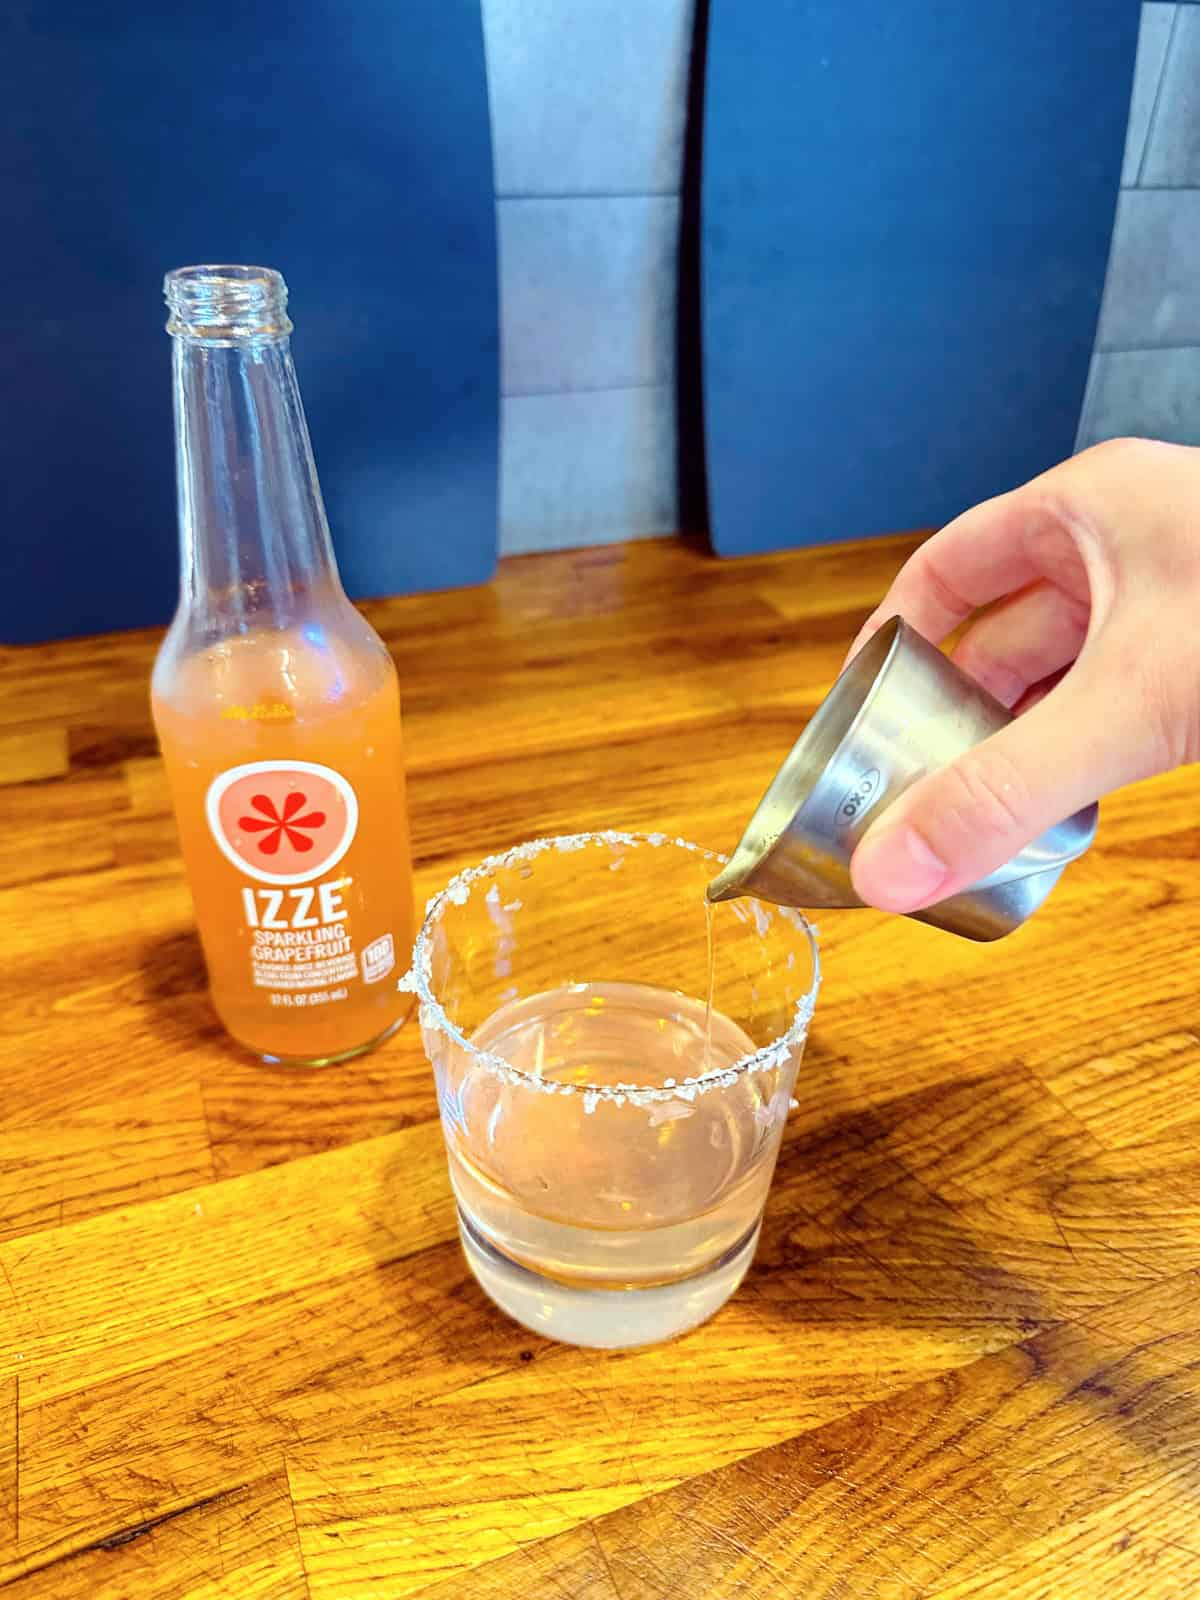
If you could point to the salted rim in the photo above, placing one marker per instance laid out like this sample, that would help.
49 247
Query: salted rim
419 980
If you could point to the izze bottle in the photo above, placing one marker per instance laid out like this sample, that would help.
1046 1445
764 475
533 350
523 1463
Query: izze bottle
276 705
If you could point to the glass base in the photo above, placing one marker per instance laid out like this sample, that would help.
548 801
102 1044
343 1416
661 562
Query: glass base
603 1319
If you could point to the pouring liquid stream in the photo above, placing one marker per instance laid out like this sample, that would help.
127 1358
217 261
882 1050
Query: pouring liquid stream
709 909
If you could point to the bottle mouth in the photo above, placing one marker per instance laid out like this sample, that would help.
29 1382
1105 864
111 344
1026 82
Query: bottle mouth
226 304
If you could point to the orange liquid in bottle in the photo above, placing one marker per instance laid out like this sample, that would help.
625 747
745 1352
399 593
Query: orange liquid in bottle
303 969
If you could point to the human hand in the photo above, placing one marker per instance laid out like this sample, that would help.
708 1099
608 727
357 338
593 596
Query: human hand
1091 573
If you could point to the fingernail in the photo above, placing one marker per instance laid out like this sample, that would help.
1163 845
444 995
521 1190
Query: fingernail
896 870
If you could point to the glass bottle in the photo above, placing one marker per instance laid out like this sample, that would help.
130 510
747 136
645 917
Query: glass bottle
276 704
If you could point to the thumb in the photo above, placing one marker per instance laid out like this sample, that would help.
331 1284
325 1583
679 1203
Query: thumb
956 825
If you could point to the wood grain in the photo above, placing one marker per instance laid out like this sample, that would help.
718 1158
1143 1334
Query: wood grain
26 754
240 1542
240 1353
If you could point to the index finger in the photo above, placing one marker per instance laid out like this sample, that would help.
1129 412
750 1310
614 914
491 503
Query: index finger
975 559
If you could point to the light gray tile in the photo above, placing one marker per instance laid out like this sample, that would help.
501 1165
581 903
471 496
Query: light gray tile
1152 48
1173 147
587 292
1084 434
585 469
587 97
1152 296
1154 394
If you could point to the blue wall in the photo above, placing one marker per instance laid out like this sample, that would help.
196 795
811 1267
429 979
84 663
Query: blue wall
905 222
587 106
348 146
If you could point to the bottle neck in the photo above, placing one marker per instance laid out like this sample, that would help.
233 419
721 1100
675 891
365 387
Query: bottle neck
255 543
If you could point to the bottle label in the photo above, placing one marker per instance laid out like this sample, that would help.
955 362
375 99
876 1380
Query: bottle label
282 822
287 825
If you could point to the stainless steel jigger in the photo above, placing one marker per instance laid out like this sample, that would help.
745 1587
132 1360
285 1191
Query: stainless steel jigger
899 710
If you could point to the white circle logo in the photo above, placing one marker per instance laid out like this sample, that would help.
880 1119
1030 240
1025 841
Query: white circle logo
282 821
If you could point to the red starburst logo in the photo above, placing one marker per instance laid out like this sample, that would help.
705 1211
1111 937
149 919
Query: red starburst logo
275 825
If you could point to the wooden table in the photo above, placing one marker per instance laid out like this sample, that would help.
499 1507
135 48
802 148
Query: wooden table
241 1355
